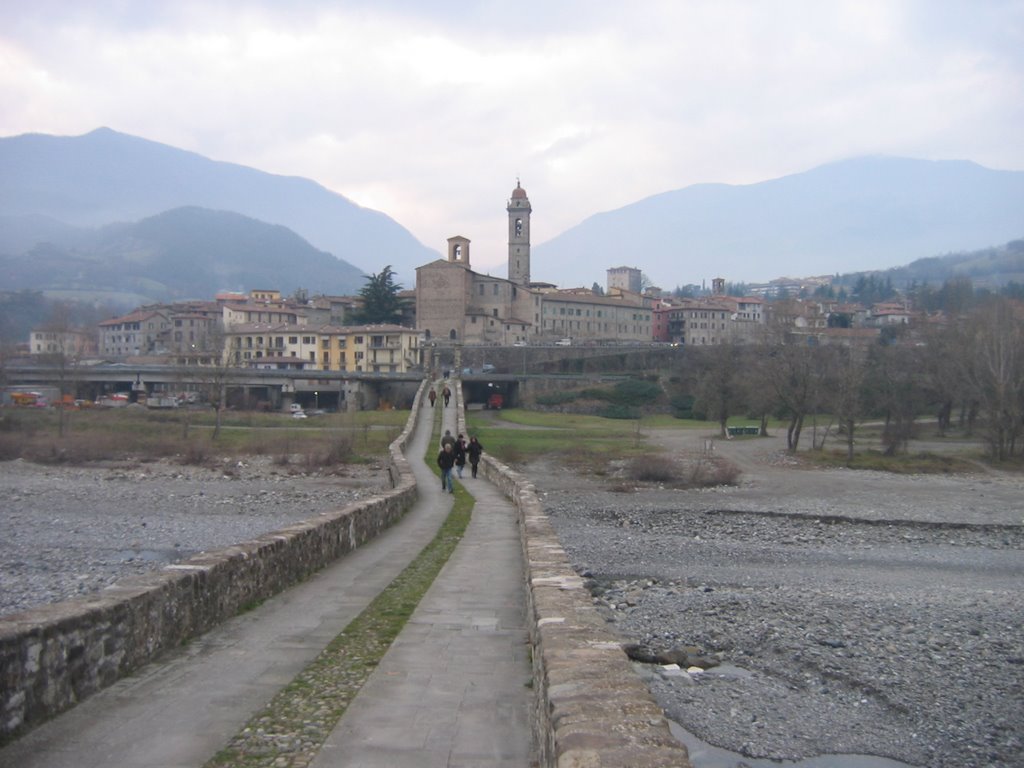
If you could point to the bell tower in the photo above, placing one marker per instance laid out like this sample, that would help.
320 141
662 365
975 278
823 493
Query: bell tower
519 237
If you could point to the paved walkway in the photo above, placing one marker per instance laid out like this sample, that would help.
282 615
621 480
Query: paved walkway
450 692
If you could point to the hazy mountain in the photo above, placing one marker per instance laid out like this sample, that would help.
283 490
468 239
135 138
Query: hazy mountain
990 268
105 177
862 214
183 253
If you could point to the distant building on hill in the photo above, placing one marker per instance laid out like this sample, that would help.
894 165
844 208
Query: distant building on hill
626 279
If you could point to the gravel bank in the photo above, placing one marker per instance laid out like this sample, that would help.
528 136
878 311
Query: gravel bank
851 612
69 531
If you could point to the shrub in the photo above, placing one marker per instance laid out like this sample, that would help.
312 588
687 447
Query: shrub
652 468
637 391
682 406
339 451
702 473
620 412
10 447
711 472
195 454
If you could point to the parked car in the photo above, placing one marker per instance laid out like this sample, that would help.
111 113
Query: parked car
563 343
487 368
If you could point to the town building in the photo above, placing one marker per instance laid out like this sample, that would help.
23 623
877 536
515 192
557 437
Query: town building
716 319
138 333
354 348
71 343
457 305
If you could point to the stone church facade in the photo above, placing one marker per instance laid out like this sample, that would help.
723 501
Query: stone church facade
456 305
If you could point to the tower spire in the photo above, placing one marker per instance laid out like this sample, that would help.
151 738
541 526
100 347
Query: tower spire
519 236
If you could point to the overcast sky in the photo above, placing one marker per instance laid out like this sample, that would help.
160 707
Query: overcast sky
429 111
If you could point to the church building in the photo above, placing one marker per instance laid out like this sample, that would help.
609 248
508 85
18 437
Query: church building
454 304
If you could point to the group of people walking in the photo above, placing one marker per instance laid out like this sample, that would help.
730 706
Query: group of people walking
446 395
455 452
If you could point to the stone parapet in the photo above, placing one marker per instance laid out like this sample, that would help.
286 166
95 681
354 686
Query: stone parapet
591 708
54 656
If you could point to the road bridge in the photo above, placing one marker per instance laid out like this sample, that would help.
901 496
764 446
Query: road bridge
242 387
276 389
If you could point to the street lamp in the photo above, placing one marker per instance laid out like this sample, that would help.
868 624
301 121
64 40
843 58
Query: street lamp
316 397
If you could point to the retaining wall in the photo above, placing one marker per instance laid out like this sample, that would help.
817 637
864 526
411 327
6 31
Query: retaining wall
54 656
591 709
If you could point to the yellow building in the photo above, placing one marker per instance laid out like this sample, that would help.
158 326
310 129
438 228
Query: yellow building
353 348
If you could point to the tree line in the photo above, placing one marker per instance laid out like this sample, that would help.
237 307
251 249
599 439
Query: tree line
968 372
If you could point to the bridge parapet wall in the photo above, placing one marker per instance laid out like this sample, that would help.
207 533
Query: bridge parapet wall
54 656
590 708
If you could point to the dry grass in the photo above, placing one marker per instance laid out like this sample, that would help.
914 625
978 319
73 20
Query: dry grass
104 437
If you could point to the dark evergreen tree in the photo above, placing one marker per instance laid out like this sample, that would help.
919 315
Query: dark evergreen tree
381 303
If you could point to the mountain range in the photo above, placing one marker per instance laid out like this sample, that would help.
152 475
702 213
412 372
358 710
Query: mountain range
863 214
116 216
183 253
105 177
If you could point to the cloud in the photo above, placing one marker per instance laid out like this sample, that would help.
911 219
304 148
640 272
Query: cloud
429 112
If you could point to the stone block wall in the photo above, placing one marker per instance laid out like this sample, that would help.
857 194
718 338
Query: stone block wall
54 656
591 708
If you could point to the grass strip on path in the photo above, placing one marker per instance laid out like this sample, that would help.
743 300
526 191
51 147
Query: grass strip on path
289 732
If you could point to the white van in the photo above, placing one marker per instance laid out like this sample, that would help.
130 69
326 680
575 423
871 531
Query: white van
563 343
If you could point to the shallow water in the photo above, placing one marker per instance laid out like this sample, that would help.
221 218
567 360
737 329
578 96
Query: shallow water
704 755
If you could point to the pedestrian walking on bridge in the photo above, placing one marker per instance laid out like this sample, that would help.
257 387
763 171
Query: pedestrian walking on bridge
446 460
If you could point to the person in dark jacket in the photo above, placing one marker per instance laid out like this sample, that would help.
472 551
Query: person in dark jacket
473 451
446 460
460 454
432 395
447 395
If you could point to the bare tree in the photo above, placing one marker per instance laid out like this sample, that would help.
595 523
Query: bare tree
719 386
849 373
896 391
995 371
222 356
794 373
945 365
63 354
